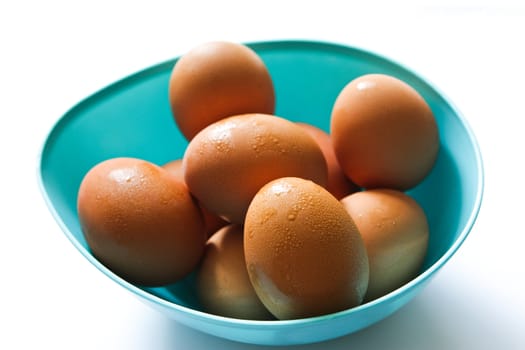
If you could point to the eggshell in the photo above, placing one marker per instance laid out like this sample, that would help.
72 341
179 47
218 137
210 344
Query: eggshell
384 133
175 168
395 231
140 221
304 254
216 80
337 184
212 222
223 284
230 160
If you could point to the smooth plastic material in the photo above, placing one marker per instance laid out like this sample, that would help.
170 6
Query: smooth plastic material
132 118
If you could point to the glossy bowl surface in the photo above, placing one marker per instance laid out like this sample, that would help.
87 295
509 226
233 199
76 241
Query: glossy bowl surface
132 118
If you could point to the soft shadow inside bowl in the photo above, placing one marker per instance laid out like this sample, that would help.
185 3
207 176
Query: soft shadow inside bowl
183 292
437 195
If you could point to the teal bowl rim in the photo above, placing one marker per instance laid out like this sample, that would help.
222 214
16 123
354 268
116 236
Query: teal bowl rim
421 278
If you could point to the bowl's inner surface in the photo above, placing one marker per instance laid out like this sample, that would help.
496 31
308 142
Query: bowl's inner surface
132 118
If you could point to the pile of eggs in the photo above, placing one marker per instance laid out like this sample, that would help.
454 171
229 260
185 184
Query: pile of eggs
277 219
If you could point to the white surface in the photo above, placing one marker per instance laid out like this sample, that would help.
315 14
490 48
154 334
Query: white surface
55 54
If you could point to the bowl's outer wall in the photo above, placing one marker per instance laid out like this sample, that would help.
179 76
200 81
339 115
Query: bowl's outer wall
132 118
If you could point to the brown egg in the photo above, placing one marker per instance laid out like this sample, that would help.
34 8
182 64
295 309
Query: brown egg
140 221
337 184
216 80
395 231
230 160
175 168
212 222
384 133
223 283
304 254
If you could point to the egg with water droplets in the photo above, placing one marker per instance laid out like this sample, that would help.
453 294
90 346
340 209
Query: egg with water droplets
227 162
304 254
140 221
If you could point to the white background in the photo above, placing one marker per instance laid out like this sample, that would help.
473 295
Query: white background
53 54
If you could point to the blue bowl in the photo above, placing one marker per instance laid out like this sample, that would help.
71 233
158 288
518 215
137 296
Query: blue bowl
132 117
